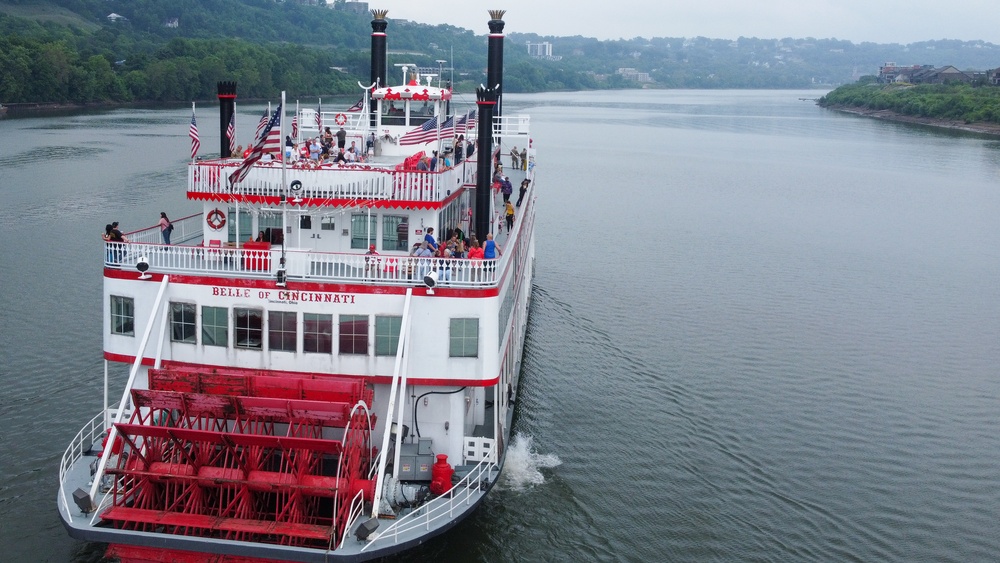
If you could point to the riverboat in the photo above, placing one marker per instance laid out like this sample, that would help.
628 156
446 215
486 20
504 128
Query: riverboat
318 392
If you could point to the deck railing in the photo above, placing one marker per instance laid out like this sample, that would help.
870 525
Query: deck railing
470 488
186 229
78 446
351 181
303 265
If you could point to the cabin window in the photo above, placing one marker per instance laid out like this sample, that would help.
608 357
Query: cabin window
363 227
306 222
122 315
395 232
249 327
464 338
214 326
387 335
317 333
182 323
354 334
327 224
281 330
244 226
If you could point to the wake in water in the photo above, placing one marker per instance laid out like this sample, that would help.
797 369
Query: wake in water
523 467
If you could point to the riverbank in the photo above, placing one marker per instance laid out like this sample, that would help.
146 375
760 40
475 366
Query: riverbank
889 115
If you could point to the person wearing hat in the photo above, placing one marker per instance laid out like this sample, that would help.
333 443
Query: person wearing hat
372 264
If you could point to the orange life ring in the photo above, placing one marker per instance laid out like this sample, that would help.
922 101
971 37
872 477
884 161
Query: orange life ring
216 219
341 119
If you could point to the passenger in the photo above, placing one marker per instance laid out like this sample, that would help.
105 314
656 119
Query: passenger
506 188
423 165
524 158
459 233
289 147
491 251
166 227
509 215
372 264
433 161
341 138
340 156
370 144
260 237
523 189
423 255
459 149
476 256
470 148
314 149
353 149
514 158
327 138
429 239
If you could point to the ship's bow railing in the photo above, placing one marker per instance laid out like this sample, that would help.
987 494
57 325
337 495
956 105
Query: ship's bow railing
86 442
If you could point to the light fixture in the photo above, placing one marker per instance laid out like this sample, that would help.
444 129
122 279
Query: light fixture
430 280
143 266
282 276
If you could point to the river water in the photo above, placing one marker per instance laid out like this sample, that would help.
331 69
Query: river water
761 330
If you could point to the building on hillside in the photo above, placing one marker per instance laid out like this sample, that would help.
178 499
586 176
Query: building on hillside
114 18
172 23
927 74
633 75
542 50
354 7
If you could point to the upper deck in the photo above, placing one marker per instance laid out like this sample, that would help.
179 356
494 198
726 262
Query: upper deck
314 185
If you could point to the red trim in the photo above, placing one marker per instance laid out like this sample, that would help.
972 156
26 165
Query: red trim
227 96
322 202
485 103
386 379
257 283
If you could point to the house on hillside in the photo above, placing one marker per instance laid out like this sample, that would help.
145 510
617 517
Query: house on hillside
926 74
172 23
115 18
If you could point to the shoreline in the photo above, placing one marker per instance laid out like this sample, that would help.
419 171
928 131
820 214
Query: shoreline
992 129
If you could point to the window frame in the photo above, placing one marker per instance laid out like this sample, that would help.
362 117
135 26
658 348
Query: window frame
185 330
123 310
259 330
358 340
212 327
463 340
387 331
318 336
277 331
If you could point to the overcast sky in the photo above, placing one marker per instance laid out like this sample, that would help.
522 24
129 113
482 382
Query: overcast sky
878 21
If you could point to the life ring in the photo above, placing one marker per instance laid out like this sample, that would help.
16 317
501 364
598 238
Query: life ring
216 219
341 119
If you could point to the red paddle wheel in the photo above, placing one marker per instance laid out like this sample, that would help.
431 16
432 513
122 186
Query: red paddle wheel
247 457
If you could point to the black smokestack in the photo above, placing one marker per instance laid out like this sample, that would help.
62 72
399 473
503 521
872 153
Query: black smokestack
227 107
494 68
378 52
486 100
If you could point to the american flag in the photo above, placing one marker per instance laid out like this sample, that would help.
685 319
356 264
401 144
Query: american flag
260 126
270 141
295 125
358 106
193 133
231 133
469 120
319 116
424 134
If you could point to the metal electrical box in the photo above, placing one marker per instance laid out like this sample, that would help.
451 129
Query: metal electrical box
414 466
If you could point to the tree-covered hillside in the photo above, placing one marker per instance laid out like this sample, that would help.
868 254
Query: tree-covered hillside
958 102
71 52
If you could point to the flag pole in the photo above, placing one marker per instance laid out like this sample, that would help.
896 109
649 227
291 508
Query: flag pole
284 189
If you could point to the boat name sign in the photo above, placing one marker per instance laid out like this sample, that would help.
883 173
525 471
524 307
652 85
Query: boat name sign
284 296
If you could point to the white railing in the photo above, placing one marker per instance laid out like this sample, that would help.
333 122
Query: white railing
303 265
185 229
81 443
327 182
511 126
441 508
